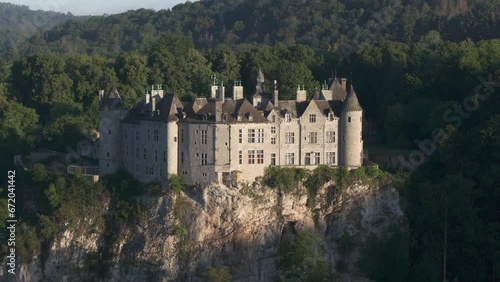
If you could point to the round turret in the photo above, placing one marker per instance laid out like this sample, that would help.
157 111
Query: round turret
351 126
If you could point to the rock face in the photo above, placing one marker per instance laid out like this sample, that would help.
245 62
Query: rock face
236 227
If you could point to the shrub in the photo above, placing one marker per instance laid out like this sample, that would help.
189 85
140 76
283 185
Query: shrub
175 182
179 230
220 274
286 179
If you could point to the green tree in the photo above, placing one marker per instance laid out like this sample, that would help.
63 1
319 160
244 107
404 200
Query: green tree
303 259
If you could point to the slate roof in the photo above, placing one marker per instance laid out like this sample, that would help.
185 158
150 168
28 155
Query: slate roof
338 91
351 102
112 101
168 109
230 108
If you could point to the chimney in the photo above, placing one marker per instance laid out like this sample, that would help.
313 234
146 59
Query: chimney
153 105
237 91
213 91
101 94
218 110
146 98
301 93
344 83
275 94
222 92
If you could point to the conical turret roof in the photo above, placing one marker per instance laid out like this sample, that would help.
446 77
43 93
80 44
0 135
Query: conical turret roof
351 102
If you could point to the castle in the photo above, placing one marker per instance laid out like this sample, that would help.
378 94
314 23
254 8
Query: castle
220 139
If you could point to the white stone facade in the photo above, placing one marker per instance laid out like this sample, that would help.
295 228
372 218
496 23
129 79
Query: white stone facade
216 139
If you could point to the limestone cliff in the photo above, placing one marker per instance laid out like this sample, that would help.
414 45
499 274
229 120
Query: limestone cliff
237 227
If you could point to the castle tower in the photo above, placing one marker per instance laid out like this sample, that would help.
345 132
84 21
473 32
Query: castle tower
351 143
111 113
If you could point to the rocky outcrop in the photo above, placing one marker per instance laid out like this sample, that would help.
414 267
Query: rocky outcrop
236 227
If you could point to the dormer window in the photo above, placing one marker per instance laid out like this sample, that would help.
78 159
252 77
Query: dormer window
239 118
331 116
288 117
224 117
250 117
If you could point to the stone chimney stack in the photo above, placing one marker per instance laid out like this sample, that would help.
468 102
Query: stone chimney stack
344 83
275 94
218 110
301 93
222 92
101 94
237 90
153 104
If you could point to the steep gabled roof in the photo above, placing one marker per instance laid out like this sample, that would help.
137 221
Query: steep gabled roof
295 108
167 109
338 91
112 101
231 109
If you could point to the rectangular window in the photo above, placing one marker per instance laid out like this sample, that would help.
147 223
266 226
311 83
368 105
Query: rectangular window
204 159
312 118
273 140
273 130
182 157
161 172
137 135
240 157
273 159
251 157
137 152
330 137
289 158
204 138
260 135
149 134
164 156
273 118
145 154
240 136
251 136
317 158
330 158
313 137
182 135
260 156
156 135
156 155
288 117
290 137
308 159
348 119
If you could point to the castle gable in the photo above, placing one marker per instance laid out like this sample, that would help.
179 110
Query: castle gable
112 101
